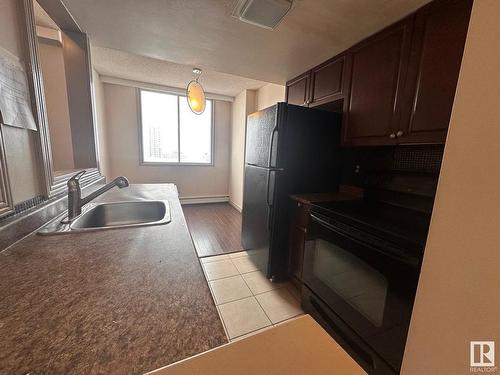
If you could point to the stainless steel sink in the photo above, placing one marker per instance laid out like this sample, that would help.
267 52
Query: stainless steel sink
112 215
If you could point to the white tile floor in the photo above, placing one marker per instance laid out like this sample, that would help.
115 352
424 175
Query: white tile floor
248 302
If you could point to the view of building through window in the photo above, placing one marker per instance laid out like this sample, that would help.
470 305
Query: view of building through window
171 133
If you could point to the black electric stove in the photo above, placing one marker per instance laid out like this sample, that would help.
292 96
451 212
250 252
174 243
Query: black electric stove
361 266
402 226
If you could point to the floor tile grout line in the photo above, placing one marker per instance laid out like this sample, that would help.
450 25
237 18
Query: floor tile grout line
203 265
242 273
224 277
264 310
285 285
238 299
267 291
257 301
271 324
214 298
223 324
255 330
216 306
254 295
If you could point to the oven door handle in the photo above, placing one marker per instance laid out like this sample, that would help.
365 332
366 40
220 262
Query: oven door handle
407 259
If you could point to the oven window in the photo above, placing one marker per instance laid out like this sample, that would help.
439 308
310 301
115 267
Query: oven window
361 286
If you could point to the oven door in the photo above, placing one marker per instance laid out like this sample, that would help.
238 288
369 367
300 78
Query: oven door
367 282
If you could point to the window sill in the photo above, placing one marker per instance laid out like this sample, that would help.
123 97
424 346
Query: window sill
166 164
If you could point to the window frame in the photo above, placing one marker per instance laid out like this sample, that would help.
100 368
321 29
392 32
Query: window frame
178 163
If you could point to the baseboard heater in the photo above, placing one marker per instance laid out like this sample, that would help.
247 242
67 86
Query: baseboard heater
201 200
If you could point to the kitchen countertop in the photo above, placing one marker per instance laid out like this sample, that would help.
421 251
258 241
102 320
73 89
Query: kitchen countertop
299 346
345 193
122 301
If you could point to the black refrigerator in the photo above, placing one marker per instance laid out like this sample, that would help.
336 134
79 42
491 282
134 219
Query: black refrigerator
289 150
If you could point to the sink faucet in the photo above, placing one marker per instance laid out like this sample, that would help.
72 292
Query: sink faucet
75 200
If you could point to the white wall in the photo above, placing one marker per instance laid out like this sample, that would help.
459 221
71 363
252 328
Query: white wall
243 105
269 95
123 149
458 293
20 144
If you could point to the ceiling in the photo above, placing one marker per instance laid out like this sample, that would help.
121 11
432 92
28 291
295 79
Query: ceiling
203 33
114 63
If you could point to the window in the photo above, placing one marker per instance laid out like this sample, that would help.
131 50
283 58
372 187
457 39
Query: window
171 133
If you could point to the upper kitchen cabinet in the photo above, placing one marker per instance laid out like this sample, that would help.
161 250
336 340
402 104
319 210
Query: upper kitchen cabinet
323 84
297 90
398 85
437 47
376 71
327 81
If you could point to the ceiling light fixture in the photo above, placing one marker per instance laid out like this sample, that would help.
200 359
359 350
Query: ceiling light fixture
264 13
195 94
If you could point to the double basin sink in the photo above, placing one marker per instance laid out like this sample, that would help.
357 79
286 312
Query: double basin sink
98 216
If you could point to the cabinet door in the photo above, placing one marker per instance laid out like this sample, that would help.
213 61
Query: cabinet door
438 43
376 69
296 260
327 81
297 90
299 221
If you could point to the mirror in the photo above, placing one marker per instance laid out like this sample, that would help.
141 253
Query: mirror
61 85
50 50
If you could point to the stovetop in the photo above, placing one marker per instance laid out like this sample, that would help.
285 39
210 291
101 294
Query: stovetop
402 226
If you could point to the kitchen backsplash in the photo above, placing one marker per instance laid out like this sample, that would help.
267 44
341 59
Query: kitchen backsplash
406 175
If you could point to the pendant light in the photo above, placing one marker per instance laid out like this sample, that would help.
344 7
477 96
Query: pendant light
196 95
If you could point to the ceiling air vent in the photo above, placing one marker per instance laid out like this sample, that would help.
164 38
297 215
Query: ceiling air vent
263 13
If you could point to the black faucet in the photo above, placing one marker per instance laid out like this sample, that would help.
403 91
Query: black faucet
75 200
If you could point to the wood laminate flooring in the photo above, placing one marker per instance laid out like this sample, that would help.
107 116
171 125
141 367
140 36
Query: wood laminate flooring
215 228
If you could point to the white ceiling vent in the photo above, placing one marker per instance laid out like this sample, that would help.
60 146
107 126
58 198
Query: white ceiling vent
263 13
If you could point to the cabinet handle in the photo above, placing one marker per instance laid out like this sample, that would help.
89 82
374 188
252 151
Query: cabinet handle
392 135
400 133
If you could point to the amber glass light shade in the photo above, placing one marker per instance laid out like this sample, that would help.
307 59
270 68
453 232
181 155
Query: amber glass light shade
196 97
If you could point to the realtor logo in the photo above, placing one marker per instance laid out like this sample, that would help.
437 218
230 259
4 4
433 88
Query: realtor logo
482 354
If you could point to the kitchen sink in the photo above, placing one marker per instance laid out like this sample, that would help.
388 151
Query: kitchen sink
98 216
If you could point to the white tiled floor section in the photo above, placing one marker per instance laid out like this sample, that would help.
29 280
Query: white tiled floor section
247 302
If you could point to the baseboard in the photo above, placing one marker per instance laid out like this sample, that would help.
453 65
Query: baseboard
201 200
238 208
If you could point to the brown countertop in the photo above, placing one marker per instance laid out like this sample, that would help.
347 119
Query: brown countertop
345 193
122 301
299 346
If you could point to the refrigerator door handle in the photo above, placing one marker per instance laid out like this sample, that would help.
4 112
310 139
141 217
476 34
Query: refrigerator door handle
270 158
268 201
269 219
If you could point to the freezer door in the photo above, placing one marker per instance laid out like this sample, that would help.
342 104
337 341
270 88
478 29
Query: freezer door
256 213
262 137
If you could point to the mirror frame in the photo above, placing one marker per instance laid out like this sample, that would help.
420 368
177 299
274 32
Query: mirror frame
55 184
6 202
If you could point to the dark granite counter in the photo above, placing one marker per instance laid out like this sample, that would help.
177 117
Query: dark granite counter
122 301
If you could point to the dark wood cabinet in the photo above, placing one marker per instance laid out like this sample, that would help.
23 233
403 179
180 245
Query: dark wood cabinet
397 86
376 68
437 48
297 90
299 221
327 81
